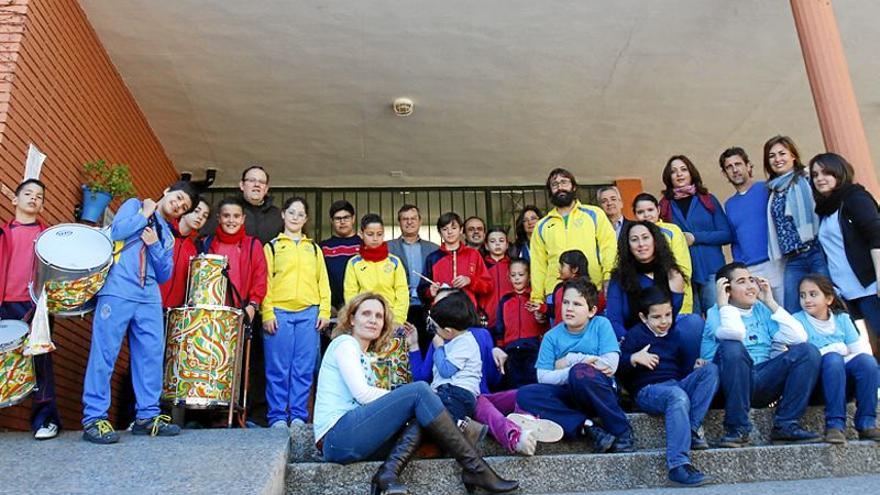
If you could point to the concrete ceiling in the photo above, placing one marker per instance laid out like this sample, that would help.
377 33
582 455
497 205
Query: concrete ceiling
503 89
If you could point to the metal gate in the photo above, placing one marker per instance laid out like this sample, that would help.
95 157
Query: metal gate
497 205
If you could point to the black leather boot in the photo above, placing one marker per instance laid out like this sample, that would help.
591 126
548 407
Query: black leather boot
475 473
385 480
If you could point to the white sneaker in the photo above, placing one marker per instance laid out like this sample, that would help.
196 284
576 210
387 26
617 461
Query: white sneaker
279 424
527 443
47 431
544 430
295 422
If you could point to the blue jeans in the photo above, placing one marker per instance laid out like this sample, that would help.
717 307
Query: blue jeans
704 295
868 308
458 401
114 318
791 375
689 334
684 404
43 406
588 393
798 266
368 431
290 356
858 377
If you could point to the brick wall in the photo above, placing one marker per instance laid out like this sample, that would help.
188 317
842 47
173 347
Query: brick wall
60 91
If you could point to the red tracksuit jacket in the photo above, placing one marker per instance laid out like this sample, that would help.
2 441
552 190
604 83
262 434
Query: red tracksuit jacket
442 265
514 322
499 273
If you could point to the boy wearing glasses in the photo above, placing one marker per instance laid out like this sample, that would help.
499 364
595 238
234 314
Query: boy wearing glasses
339 248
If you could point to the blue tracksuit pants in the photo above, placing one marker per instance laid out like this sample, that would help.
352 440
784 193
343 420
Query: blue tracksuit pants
290 354
114 317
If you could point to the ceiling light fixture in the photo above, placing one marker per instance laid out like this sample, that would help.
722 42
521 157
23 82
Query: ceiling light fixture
403 107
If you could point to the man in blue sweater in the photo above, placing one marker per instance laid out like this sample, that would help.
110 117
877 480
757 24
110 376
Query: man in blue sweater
762 354
747 213
655 368
130 303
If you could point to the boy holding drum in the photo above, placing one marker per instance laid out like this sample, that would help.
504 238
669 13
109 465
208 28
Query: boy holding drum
131 299
17 239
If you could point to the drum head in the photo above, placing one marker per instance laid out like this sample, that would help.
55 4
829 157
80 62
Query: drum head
74 247
12 333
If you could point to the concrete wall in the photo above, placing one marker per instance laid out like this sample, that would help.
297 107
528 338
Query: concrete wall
60 91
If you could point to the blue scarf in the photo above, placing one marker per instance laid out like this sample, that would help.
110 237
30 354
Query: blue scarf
799 205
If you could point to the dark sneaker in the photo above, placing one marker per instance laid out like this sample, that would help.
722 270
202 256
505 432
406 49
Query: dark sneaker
624 443
734 439
835 436
602 440
698 439
687 475
158 426
793 433
100 432
870 434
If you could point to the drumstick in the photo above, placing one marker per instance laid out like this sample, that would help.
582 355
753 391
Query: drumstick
426 279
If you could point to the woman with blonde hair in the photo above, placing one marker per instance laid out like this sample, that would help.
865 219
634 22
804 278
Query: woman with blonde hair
356 421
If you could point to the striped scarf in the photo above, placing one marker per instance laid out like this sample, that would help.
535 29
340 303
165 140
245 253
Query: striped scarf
799 205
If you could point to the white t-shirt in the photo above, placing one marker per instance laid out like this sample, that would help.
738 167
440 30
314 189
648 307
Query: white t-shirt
463 352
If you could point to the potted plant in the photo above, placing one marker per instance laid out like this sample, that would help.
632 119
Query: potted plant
104 182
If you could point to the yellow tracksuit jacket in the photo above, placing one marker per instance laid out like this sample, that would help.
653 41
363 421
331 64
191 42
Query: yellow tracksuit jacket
678 245
297 277
386 278
588 230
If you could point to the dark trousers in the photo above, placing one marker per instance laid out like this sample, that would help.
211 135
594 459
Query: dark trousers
587 394
44 408
867 308
841 382
458 401
791 376
519 370
257 405
416 316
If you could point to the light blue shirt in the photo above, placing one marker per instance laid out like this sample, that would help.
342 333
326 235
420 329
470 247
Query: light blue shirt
844 330
760 329
413 253
841 272
333 398
596 339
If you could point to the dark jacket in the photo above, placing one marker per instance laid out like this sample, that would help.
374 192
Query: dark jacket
860 226
263 222
395 247
672 356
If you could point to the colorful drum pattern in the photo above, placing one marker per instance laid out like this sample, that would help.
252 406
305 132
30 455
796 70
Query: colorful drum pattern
68 295
391 366
200 356
207 285
17 378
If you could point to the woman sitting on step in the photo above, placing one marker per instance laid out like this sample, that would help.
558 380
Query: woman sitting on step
356 421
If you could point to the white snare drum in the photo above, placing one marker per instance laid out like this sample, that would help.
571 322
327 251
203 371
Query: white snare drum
17 377
72 261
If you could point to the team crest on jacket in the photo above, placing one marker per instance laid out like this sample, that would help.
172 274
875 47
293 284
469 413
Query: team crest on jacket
579 223
389 267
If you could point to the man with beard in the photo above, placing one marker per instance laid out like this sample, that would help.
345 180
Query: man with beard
747 213
571 225
475 233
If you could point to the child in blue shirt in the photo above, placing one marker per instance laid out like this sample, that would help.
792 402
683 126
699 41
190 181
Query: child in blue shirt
130 303
847 363
576 365
762 356
655 368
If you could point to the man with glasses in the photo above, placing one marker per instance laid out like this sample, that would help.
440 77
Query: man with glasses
262 219
612 204
570 225
339 248
413 251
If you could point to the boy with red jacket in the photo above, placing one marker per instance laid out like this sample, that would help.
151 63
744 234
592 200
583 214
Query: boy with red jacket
246 262
518 328
454 264
185 231
17 239
498 266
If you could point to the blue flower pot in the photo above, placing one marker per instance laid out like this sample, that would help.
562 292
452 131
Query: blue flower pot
94 204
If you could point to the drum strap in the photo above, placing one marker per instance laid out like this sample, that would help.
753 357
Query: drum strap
237 300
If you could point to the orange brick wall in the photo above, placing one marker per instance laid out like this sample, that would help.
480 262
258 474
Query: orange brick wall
60 91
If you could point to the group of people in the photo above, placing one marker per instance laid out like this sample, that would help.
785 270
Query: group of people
528 337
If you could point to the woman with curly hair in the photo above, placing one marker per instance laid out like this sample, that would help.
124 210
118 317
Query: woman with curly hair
644 259
355 420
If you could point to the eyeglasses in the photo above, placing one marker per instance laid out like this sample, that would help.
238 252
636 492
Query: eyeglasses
431 325
253 180
342 219
560 182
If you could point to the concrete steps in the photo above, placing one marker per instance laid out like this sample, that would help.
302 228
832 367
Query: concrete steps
569 467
